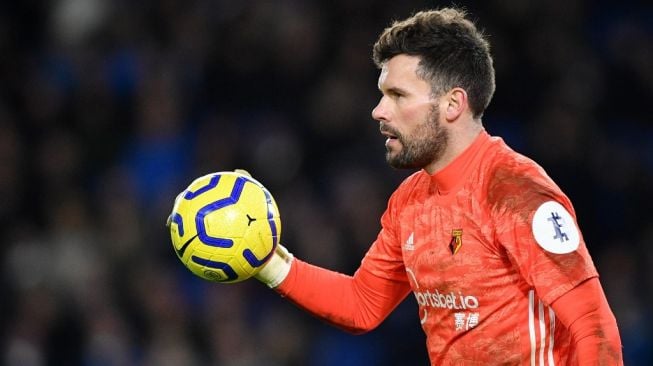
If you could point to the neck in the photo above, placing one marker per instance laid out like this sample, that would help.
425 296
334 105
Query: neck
459 141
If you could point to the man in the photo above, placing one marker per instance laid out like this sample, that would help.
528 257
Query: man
485 240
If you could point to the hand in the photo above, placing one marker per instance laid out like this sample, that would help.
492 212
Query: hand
277 268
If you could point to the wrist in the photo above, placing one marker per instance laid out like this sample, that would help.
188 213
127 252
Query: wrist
275 271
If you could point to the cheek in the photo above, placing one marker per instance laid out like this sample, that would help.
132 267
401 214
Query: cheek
412 116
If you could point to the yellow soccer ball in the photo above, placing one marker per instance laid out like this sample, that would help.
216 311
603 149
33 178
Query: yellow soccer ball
225 226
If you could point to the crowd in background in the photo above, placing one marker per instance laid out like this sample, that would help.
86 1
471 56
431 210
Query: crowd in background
109 108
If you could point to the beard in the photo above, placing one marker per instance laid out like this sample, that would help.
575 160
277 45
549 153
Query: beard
423 146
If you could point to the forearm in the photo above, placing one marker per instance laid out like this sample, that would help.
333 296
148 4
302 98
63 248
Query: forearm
356 303
585 311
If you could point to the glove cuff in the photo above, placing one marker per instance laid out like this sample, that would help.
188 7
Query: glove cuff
277 268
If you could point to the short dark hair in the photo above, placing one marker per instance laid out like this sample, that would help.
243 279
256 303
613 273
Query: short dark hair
453 53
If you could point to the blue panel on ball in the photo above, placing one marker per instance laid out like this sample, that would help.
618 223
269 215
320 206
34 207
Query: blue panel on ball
224 267
176 218
189 195
273 224
249 256
214 206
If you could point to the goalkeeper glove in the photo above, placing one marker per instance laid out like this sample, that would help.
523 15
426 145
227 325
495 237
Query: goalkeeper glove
277 268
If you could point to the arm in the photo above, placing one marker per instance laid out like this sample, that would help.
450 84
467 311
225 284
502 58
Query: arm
356 303
585 312
542 237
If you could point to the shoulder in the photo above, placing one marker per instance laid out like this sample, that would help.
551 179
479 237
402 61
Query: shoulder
408 187
413 180
515 182
412 183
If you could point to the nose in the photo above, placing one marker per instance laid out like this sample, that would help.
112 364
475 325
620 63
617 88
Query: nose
380 112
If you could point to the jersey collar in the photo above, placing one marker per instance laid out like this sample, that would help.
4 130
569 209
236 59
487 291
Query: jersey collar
454 173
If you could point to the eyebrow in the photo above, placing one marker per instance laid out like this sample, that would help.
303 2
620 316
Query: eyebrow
393 89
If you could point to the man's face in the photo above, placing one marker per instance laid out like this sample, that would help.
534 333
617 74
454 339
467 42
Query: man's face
409 116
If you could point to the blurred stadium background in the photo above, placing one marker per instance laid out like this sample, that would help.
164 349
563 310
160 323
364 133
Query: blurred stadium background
109 108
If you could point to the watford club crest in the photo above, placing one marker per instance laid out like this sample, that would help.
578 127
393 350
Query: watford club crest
456 240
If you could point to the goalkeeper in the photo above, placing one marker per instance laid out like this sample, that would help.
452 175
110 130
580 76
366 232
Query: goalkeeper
487 243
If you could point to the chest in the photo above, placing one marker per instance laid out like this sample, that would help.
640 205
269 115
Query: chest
449 244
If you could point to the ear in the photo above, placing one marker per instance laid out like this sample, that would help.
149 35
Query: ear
455 103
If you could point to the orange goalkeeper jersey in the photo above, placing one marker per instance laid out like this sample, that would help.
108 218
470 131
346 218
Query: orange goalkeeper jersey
485 245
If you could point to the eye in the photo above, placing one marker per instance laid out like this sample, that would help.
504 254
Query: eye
394 94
